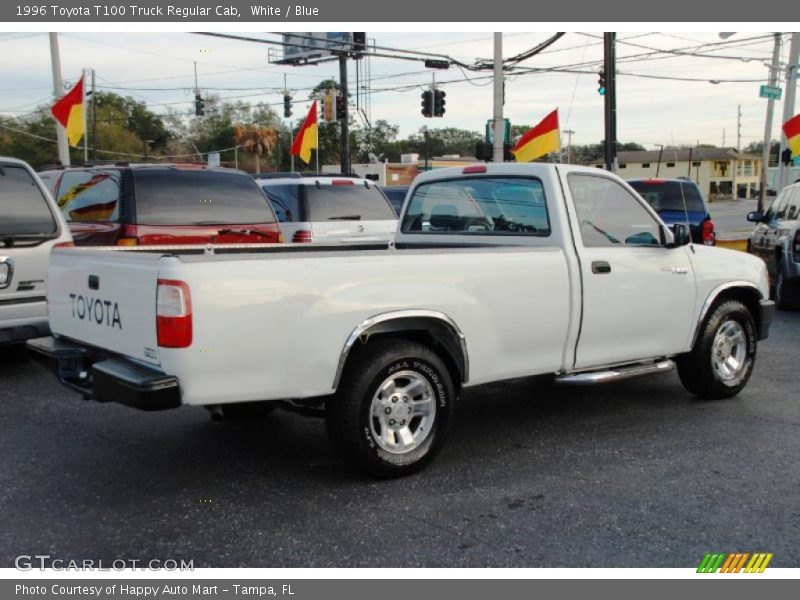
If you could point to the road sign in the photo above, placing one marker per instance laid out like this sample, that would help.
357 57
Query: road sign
489 137
770 91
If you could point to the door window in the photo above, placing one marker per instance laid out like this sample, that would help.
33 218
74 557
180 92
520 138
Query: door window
610 216
23 207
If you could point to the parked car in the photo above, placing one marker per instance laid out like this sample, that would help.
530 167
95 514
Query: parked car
328 209
776 239
676 201
156 204
498 271
30 226
396 194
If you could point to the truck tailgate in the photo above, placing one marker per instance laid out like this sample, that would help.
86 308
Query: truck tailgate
106 298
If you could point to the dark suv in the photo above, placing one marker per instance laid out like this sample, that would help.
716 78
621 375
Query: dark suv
678 201
152 204
776 239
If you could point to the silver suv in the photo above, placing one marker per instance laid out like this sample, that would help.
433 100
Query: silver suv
30 226
330 209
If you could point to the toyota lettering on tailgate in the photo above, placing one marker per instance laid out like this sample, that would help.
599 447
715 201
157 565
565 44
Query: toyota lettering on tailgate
96 310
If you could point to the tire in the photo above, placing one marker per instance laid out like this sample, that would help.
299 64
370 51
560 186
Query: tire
722 359
786 295
242 412
368 419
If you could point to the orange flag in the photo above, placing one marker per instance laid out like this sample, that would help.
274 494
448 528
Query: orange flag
539 140
68 111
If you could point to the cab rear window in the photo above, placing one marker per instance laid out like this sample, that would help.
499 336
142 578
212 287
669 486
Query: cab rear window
479 206
198 197
23 206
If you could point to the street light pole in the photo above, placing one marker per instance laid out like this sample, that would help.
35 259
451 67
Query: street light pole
788 104
610 97
499 133
765 152
58 91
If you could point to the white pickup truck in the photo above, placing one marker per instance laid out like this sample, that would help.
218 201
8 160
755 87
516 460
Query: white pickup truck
496 272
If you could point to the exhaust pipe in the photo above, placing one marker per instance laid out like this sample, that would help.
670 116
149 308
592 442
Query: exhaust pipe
217 416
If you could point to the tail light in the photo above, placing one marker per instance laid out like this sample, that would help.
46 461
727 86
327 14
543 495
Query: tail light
708 235
302 236
64 245
342 182
128 241
173 314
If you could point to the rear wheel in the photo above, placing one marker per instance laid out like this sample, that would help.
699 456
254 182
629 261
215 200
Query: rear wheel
392 411
722 359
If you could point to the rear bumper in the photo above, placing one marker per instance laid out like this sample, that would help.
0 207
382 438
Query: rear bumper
22 319
105 378
765 318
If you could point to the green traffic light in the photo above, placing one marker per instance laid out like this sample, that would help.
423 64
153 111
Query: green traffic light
601 91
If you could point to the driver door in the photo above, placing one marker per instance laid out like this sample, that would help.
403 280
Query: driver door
638 295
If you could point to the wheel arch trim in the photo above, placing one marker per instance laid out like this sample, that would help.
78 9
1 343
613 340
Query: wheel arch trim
378 323
712 297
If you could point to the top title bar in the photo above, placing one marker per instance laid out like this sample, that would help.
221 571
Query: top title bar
331 11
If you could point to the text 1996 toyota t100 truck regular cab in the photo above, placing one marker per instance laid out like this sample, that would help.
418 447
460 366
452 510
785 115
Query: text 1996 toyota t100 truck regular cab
496 272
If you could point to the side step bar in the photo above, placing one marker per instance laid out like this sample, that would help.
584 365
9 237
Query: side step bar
616 373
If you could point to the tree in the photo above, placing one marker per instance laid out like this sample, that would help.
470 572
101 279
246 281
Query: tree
255 140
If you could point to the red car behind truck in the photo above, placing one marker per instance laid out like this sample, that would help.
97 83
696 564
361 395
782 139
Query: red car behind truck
163 204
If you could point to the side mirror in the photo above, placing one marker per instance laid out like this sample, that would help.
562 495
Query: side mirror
681 234
755 217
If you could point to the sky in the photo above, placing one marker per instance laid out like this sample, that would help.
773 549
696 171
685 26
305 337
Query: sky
158 69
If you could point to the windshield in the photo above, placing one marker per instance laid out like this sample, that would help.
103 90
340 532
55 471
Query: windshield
666 195
189 197
23 207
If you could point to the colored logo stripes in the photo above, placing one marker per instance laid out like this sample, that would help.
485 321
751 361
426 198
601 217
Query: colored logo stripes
735 562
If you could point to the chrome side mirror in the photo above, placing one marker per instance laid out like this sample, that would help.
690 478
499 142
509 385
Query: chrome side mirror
755 217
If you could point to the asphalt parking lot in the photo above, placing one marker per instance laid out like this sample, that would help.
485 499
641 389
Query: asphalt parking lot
634 474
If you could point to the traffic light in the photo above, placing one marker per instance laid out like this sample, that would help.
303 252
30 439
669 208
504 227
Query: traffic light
359 43
199 106
427 103
287 106
786 156
328 108
601 83
438 103
341 108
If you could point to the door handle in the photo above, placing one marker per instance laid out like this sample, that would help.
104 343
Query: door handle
600 266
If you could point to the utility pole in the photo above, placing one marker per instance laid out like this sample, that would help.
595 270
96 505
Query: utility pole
723 137
610 97
58 91
739 128
344 143
569 133
788 104
765 152
94 119
499 130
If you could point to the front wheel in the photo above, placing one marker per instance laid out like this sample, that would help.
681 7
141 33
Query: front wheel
721 361
392 411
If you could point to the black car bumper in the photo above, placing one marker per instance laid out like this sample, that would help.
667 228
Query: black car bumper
765 318
105 378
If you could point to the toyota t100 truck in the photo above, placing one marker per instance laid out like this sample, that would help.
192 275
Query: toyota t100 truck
495 272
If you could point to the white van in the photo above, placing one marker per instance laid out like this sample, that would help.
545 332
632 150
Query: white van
30 226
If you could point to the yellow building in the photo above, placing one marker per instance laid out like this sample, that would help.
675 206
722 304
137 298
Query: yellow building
721 173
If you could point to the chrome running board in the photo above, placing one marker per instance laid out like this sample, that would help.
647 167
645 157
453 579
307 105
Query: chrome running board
616 373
